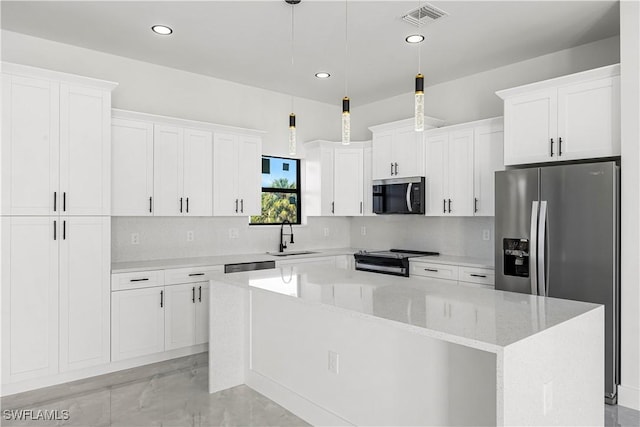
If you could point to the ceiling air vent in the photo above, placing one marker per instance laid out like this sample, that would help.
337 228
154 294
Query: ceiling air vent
424 14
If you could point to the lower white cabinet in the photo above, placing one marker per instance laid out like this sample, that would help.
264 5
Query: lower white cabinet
202 313
137 322
186 315
456 273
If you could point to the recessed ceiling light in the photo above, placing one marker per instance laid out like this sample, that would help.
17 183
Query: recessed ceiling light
414 38
323 75
162 30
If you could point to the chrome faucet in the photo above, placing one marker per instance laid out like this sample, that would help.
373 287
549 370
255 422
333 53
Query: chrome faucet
283 244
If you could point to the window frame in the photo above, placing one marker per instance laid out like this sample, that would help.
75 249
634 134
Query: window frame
297 191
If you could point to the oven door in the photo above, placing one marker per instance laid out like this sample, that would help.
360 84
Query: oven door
384 265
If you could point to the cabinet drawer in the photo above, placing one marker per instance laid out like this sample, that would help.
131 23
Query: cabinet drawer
484 276
191 274
438 271
139 279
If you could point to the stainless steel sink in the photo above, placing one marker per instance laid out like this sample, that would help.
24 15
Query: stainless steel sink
291 253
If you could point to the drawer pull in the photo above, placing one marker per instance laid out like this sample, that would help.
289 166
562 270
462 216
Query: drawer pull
431 269
478 275
139 280
196 274
193 295
200 293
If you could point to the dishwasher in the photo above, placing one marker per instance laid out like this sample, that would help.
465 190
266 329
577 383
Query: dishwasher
249 266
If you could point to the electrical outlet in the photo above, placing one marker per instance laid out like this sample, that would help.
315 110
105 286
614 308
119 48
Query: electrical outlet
135 239
486 234
190 236
334 360
363 230
234 233
326 232
547 397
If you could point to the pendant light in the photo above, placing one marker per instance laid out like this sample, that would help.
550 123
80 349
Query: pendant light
346 113
292 116
419 95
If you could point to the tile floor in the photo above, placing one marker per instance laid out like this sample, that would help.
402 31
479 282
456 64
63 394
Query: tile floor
174 393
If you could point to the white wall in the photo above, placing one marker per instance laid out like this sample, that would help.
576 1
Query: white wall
473 97
629 393
166 91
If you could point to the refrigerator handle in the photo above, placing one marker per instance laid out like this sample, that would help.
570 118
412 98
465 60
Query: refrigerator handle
543 245
533 249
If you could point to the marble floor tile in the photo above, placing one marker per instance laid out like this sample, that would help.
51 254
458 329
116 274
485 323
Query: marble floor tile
175 393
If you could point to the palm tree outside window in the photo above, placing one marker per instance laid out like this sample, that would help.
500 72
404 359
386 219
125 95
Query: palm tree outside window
280 197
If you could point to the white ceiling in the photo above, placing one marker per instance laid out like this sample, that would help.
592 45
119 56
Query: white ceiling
249 41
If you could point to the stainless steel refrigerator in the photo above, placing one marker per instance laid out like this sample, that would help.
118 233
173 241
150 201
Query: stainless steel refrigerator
557 235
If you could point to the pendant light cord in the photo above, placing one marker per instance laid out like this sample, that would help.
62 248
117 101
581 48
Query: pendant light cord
419 44
292 65
346 47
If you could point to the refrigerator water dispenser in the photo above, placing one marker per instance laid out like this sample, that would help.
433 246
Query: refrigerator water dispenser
516 257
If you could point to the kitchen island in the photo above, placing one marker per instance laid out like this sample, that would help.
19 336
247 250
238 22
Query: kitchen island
342 347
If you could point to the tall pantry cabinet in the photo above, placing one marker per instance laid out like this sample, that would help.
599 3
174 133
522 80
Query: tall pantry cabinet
55 222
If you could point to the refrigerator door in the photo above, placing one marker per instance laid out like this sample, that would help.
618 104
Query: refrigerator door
582 243
516 192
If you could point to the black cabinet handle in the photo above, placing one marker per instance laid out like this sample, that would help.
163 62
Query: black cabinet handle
449 205
396 168
55 200
475 204
333 207
150 204
196 274
161 299
193 295
64 230
64 201
477 275
139 280
200 293
433 270
187 205
236 205
444 205
180 204
360 207
241 205
391 168
55 226
559 147
551 147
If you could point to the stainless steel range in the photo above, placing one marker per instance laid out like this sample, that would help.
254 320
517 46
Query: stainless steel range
393 261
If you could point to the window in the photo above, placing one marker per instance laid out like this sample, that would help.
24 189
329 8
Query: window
280 191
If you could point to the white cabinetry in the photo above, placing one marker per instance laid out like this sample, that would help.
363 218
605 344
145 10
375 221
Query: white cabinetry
180 316
237 176
398 150
55 143
319 179
132 167
567 118
462 274
488 148
348 182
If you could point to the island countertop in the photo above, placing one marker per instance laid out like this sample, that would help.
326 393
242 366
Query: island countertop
485 319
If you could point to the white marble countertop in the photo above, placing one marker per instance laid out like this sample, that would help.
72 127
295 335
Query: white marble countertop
485 319
456 260
163 264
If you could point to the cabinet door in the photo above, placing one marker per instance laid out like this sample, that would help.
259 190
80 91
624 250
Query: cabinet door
202 312
137 323
435 147
488 143
530 121
367 187
131 168
179 316
408 153
460 173
85 150
589 119
29 297
30 146
382 155
85 253
327 175
249 170
225 174
198 172
348 182
168 199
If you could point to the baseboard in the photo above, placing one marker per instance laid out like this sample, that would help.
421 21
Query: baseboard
293 402
65 377
629 397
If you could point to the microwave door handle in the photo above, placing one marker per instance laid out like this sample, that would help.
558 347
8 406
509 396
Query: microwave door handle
409 197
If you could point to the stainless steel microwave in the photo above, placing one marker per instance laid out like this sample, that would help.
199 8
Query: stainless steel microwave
399 196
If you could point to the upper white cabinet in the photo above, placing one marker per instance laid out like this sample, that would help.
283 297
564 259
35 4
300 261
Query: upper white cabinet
237 174
55 143
567 118
335 179
132 167
461 161
398 150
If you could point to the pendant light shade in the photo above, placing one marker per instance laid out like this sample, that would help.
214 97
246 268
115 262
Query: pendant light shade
292 134
346 122
419 103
